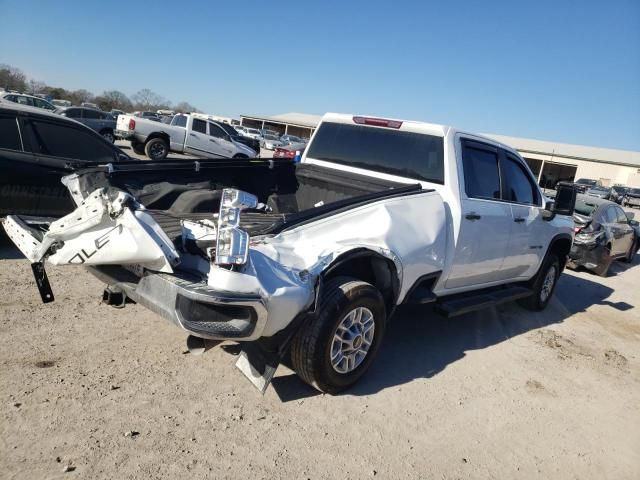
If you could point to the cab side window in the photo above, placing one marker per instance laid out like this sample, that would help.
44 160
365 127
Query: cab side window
481 174
199 126
519 187
216 131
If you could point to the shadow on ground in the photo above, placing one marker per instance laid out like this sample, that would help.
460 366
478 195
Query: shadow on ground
420 343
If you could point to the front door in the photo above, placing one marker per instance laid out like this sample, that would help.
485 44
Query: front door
529 231
485 222
220 141
197 141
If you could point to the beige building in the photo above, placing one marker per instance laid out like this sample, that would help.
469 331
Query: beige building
549 161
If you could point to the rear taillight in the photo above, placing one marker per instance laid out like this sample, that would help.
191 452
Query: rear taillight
282 153
132 124
377 122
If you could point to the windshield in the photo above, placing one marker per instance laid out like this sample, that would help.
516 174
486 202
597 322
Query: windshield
406 154
635 191
584 207
271 137
586 181
619 188
228 129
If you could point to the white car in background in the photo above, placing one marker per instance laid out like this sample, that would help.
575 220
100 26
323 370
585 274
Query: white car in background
252 133
270 142
28 100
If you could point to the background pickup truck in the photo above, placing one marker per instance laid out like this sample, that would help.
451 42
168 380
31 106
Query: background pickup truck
193 134
306 263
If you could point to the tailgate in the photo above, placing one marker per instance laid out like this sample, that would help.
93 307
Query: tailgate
123 123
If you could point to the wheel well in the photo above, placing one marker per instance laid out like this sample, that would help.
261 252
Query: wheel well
561 247
370 267
240 155
161 135
106 130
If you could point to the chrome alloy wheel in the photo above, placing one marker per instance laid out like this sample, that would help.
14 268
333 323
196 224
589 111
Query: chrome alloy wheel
352 340
548 283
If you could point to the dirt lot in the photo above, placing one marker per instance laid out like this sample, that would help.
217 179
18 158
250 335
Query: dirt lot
502 393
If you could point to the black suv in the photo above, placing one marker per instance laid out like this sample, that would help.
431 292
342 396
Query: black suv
37 149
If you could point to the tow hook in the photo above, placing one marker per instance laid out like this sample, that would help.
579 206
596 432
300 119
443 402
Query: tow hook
114 297
197 345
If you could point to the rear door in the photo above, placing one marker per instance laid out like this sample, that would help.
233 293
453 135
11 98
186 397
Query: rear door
486 222
529 233
92 119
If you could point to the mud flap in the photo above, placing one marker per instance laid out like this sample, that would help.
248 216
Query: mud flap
258 365
42 282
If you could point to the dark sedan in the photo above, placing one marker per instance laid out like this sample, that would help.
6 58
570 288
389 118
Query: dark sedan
252 143
603 233
37 149
631 197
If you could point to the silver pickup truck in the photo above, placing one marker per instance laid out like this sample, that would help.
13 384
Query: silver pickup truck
305 263
194 134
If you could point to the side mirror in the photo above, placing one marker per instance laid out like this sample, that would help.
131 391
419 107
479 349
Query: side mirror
630 216
564 202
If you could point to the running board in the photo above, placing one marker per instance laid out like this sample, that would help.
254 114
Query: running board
459 305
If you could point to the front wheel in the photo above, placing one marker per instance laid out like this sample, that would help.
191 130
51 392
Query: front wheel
108 136
543 285
336 347
156 149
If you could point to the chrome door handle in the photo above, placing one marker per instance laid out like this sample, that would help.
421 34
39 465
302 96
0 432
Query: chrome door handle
193 135
472 216
519 220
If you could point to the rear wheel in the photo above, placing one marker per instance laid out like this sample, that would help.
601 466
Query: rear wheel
543 285
336 347
602 269
156 149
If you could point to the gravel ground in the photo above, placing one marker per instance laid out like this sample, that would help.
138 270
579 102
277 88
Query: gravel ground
89 391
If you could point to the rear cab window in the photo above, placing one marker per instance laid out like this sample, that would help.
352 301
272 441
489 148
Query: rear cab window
481 170
199 126
395 152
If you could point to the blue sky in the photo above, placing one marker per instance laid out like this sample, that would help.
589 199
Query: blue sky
555 70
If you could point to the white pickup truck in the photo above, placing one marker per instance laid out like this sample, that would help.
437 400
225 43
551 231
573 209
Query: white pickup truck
193 134
305 263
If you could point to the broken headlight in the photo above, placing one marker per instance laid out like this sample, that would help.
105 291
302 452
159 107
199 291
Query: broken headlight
232 243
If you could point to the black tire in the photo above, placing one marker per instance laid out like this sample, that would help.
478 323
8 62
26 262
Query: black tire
539 301
138 148
240 155
602 270
311 347
156 149
108 136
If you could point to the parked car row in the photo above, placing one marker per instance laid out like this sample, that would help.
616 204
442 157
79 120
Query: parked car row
269 139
